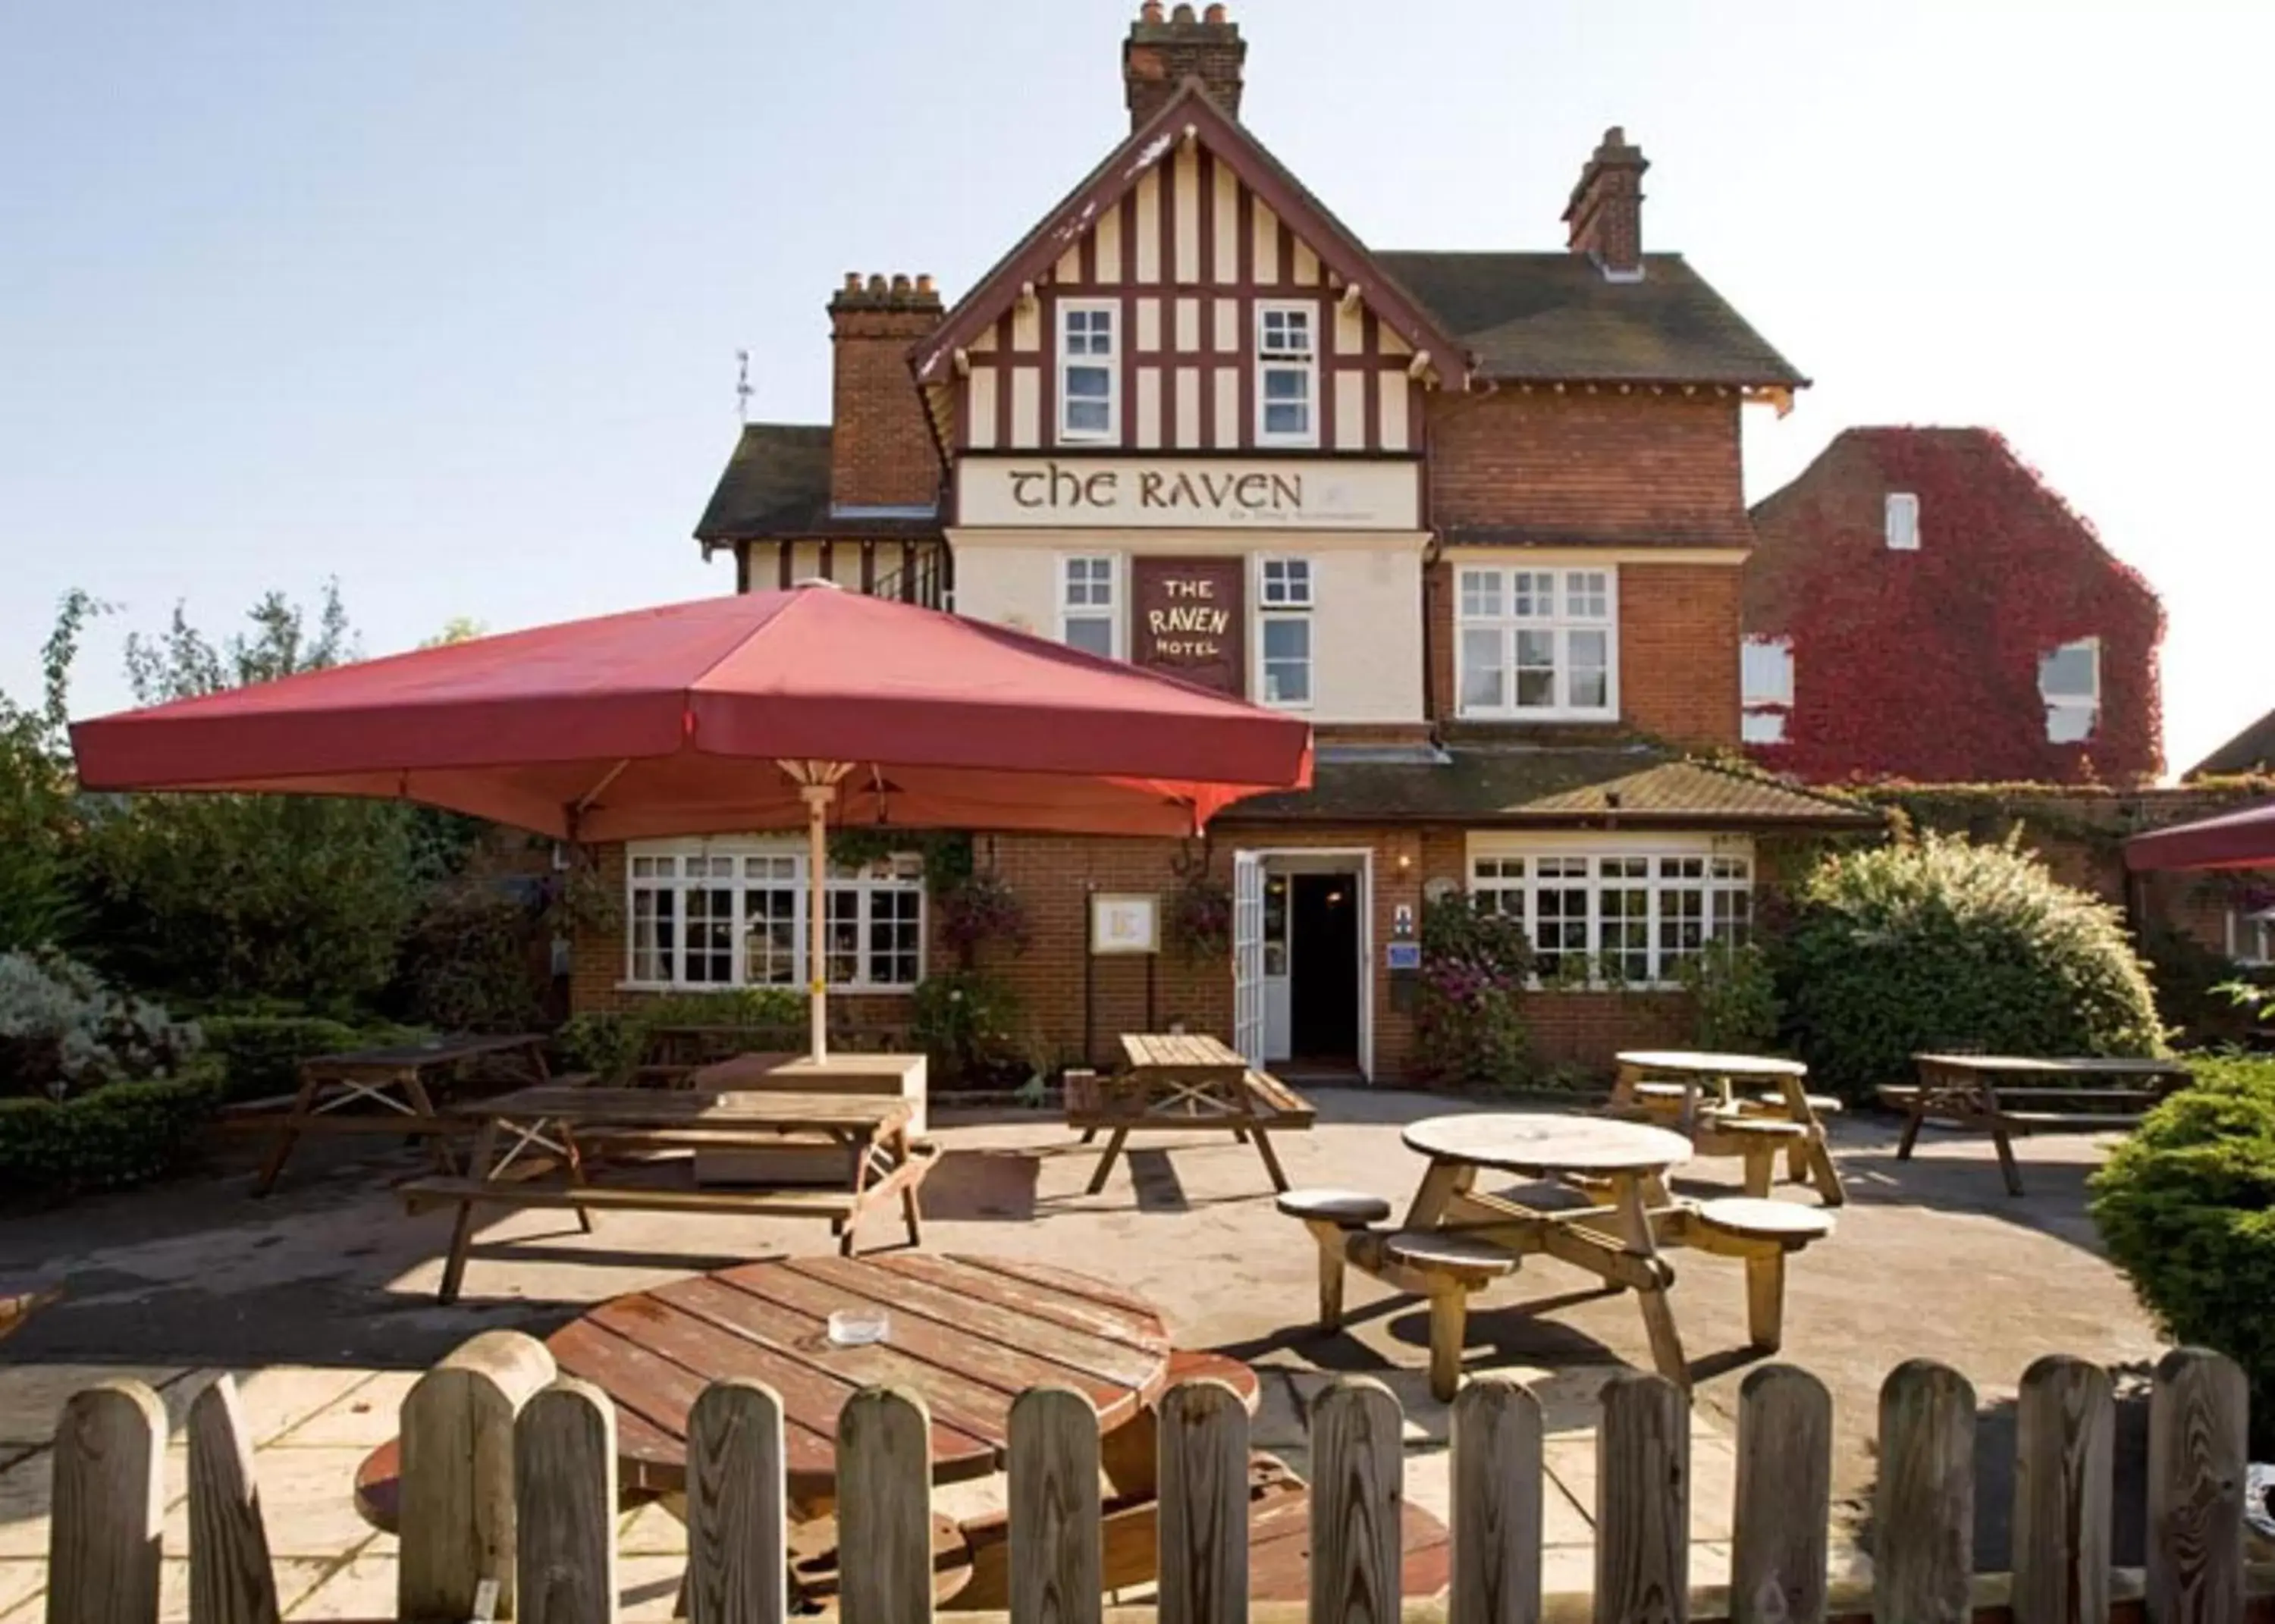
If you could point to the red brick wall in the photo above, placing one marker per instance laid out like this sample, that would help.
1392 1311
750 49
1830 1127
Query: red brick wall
880 447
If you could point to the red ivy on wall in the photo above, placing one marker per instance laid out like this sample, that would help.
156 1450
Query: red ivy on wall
1924 665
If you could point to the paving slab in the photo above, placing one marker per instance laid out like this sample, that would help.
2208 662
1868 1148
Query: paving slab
24 1499
308 1500
32 1394
21 1578
366 1415
358 1587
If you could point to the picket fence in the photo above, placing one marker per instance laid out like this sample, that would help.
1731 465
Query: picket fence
509 1504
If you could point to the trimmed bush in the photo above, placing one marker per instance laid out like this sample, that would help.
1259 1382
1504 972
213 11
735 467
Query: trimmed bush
1908 947
2186 1207
1735 994
121 1134
260 1054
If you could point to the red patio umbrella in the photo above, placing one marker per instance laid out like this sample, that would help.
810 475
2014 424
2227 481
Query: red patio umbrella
761 711
2243 839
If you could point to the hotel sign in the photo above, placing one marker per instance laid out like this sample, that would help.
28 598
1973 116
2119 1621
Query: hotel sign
1188 493
1187 618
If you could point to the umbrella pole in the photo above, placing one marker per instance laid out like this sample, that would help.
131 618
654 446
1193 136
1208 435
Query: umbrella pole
818 798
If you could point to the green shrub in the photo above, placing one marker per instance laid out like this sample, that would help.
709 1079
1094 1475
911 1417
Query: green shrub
1897 948
2189 979
605 1042
474 959
1735 994
743 1005
110 1137
967 1023
260 1055
63 1030
1469 1028
2186 1207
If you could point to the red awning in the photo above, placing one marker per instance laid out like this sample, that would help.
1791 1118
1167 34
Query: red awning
2243 839
672 721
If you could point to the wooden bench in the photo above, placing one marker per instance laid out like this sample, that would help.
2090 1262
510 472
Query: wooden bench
2007 1094
1250 1109
20 1302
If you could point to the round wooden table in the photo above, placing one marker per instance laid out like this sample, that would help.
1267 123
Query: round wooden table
1540 1143
1716 1124
968 1334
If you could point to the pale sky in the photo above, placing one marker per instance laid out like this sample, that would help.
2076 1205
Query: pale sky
441 296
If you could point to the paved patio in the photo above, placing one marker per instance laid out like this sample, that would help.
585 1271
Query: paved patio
320 1299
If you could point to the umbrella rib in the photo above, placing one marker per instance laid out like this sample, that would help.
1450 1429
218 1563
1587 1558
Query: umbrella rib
583 801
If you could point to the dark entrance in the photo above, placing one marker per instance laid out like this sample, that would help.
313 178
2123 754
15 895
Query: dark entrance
1323 971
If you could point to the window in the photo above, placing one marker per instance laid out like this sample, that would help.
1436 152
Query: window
1089 373
1765 682
1087 616
733 913
1538 643
2251 935
2069 681
1283 596
1624 918
1902 522
1287 368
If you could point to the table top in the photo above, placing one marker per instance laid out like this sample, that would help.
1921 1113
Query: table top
1543 1142
737 1071
968 1334
430 1052
1180 1050
1705 1063
658 1107
2079 1066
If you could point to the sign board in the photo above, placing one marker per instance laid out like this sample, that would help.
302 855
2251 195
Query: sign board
1188 618
1188 493
1402 955
1124 924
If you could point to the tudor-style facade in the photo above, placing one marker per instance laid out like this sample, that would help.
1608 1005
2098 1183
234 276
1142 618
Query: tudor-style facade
1476 515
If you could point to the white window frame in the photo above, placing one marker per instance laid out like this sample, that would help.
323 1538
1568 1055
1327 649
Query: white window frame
2251 936
2059 704
1268 362
1900 521
1111 362
1513 871
1766 689
743 865
1557 625
1295 604
1111 611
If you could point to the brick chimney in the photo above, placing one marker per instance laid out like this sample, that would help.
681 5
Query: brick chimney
1160 56
1606 213
882 453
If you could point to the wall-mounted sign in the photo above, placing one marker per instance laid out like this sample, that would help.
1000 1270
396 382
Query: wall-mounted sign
1124 924
1401 956
1188 493
1187 617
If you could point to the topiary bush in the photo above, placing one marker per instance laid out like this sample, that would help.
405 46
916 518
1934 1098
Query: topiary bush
2187 1208
1900 947
107 1138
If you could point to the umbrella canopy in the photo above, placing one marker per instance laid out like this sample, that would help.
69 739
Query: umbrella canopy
2243 839
765 710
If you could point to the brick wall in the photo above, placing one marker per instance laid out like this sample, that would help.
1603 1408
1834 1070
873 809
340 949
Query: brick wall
880 447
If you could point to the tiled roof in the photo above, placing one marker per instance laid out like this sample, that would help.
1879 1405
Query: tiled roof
1581 785
2251 751
1555 318
776 485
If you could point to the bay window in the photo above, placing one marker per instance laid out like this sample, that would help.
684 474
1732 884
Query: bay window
725 913
1090 373
1539 644
1283 597
1287 374
1616 918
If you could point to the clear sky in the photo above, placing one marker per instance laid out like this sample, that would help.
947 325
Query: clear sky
441 296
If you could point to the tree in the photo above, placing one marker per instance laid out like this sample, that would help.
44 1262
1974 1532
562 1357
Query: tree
36 818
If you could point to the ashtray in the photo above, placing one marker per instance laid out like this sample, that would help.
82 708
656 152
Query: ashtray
856 1328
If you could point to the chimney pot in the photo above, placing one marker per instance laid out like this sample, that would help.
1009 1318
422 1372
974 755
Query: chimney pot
923 282
1182 15
1150 12
852 282
901 282
876 284
1215 14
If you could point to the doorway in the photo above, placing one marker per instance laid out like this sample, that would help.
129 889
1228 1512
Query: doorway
1323 967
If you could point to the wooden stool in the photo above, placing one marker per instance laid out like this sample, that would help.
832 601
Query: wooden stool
1454 1267
1761 1232
1332 1216
1756 1140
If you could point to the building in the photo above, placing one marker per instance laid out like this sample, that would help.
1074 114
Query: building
2249 752
1477 515
1921 605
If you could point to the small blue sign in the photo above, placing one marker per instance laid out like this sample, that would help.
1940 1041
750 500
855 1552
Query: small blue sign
1402 955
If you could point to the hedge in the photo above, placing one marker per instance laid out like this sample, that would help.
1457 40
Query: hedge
2187 1208
260 1054
120 1134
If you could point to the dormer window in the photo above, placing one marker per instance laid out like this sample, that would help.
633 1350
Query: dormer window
1286 372
1902 522
1089 373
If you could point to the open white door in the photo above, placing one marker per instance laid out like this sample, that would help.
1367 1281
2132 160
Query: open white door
1248 956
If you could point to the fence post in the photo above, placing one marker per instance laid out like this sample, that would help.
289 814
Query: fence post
2065 1442
1783 1501
1203 1560
884 1508
1056 1555
457 1479
2197 1421
737 1547
108 1507
1359 1482
1497 1490
1923 1512
565 1498
1642 1502
231 1579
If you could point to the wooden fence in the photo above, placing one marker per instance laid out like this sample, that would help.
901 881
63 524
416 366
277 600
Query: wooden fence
508 1504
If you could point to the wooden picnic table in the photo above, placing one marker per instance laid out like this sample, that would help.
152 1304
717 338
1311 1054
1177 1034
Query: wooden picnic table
2007 1094
1706 1108
1182 1082
387 1090
866 1155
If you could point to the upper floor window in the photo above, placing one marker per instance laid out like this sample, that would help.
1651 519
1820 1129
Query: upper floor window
1089 372
1765 688
2069 681
1283 597
1088 613
733 913
1539 644
1902 522
1287 373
